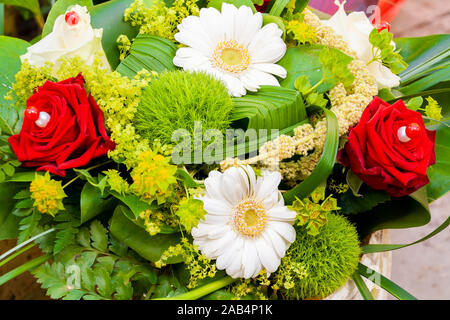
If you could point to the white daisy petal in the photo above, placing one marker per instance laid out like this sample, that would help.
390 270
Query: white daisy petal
283 229
247 226
227 44
249 259
267 185
216 206
281 214
267 255
271 68
279 244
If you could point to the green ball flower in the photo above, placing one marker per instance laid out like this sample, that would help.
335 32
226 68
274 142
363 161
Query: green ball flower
329 259
176 100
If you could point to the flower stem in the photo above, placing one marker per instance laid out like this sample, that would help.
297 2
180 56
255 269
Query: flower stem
203 290
23 268
5 261
88 169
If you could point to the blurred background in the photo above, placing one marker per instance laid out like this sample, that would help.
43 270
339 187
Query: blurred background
423 269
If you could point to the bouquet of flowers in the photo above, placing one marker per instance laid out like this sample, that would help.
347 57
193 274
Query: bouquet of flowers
221 149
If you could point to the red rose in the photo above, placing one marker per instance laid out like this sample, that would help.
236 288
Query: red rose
390 149
74 135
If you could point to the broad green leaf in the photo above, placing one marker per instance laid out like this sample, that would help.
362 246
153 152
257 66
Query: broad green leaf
439 173
423 53
109 16
151 53
304 61
269 108
351 204
32 5
384 283
325 165
238 3
9 223
59 8
10 50
92 203
399 213
149 247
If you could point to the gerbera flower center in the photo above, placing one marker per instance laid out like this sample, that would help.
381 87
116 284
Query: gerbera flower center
249 217
231 56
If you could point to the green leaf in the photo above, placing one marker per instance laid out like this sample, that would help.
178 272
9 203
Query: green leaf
26 176
384 283
32 5
269 108
98 236
8 222
372 248
103 282
133 202
300 5
92 203
422 54
109 16
10 50
27 266
59 8
278 7
325 165
64 238
351 204
304 61
148 247
360 284
148 52
439 173
237 3
399 213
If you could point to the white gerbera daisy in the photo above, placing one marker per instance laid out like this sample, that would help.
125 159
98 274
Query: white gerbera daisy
233 47
247 226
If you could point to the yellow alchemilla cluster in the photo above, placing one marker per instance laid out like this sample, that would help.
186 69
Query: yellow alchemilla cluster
190 211
47 194
124 46
433 110
159 20
153 177
198 265
337 187
154 220
28 78
301 32
116 182
255 289
288 274
312 212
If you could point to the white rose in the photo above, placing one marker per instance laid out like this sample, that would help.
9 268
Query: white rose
69 39
355 28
